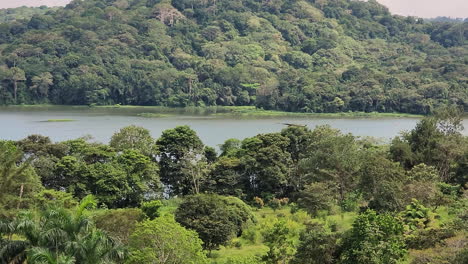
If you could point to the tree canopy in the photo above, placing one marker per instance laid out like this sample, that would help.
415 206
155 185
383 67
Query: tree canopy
304 56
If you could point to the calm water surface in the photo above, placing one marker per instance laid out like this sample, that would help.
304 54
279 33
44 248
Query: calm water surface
17 123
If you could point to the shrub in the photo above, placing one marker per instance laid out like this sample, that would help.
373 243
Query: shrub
258 202
427 238
151 209
119 223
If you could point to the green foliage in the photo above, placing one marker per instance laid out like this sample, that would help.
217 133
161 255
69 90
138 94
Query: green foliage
241 260
303 56
315 197
416 216
117 179
181 160
215 218
18 180
133 137
58 234
20 13
265 162
374 238
49 197
382 182
119 223
225 177
461 257
151 209
317 246
280 243
428 238
304 176
163 240
333 157
435 141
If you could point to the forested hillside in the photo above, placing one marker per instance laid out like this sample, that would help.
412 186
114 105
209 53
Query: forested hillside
307 56
22 13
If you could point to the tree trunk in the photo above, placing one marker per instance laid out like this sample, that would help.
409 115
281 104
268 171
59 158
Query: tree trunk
20 196
15 89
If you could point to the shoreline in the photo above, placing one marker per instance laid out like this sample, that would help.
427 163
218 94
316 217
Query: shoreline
215 111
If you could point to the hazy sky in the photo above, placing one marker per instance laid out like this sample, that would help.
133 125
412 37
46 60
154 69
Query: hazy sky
427 8
420 8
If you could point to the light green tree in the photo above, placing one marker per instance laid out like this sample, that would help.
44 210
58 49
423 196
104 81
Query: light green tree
163 240
134 137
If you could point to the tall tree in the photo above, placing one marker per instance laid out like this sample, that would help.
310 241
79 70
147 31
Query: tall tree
16 75
216 219
333 157
266 164
134 137
181 160
41 83
18 183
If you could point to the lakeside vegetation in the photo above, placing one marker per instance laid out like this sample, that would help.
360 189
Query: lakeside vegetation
214 111
298 196
324 56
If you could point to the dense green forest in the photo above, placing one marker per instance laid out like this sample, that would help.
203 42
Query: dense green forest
298 196
305 56
22 13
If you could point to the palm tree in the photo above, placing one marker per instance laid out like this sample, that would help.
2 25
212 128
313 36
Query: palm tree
11 251
43 256
59 236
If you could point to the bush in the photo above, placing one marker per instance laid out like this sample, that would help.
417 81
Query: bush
351 202
294 208
54 198
275 204
180 244
258 202
374 239
427 238
119 223
317 246
461 257
250 235
215 218
151 209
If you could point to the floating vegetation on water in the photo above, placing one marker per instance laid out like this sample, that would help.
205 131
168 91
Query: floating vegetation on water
58 120
153 115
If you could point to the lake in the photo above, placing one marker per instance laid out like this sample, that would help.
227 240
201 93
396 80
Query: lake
100 123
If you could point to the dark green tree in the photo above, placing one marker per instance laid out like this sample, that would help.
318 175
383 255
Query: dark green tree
176 146
317 246
216 219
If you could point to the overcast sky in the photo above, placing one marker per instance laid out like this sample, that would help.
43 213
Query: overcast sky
420 8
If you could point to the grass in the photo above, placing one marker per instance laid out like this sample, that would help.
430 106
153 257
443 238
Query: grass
246 251
59 120
243 247
247 111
